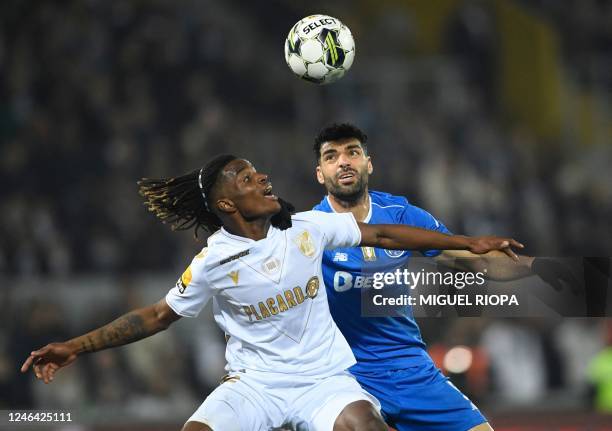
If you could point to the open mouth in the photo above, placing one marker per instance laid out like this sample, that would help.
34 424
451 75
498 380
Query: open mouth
268 193
347 177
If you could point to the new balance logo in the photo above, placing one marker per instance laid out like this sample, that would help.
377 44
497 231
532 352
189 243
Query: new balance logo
340 257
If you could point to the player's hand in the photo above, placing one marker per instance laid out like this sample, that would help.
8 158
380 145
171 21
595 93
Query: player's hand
485 244
49 359
554 272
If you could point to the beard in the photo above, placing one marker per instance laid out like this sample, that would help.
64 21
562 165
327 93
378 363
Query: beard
348 193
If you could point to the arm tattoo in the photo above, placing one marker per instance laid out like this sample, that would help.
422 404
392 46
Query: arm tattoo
125 329
91 346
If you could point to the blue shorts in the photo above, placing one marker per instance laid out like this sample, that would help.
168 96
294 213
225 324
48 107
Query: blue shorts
420 398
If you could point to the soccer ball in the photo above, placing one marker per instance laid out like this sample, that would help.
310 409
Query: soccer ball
319 49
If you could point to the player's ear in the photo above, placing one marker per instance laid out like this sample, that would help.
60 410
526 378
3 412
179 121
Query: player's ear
226 205
370 166
320 178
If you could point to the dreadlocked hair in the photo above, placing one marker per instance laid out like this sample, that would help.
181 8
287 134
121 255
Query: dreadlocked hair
180 202
282 219
184 202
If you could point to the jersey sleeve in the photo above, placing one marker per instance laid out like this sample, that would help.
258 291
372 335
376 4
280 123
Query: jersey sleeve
339 229
191 292
418 217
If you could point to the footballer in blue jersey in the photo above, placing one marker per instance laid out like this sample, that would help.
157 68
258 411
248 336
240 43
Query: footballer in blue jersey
392 362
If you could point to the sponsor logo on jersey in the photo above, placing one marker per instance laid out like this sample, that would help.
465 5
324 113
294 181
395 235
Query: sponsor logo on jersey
340 257
304 243
234 257
234 276
369 254
282 302
184 281
344 281
394 253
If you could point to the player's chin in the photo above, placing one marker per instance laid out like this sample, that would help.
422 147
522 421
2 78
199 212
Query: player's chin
272 203
348 190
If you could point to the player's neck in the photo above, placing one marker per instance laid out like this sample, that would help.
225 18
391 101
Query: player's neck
255 229
360 207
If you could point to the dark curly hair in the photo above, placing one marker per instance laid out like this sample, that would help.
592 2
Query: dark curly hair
336 132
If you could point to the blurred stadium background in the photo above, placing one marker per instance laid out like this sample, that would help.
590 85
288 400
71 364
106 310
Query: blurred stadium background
494 115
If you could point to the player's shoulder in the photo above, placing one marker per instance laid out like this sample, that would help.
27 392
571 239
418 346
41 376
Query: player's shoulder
217 246
388 201
309 217
319 219
323 205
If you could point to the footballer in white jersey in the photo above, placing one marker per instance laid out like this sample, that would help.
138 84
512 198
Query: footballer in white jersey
262 270
268 296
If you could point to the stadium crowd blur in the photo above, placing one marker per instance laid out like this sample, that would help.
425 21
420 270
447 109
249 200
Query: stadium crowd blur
95 95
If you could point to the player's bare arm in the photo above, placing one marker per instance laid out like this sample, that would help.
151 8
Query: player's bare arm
495 264
130 327
498 267
402 237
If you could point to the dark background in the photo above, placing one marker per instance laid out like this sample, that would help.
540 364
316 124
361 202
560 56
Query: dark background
495 116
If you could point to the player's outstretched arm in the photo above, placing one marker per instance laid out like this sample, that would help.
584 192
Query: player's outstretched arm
498 267
495 264
402 237
130 327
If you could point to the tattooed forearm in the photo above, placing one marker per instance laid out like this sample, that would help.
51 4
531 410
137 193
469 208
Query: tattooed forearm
126 329
90 344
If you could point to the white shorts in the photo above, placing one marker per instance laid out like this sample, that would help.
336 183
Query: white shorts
257 401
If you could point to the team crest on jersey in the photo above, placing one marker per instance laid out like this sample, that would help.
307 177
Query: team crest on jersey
369 254
312 287
184 281
234 276
271 265
394 253
304 243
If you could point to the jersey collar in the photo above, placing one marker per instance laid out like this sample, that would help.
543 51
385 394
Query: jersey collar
366 219
245 240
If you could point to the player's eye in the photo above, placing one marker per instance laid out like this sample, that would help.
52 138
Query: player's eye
246 178
354 152
329 157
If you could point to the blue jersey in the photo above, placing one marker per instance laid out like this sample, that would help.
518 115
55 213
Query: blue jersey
377 342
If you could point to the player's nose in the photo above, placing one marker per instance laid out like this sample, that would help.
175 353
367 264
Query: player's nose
263 178
344 160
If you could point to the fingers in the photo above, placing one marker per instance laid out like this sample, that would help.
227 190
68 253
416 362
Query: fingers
505 247
27 364
33 356
38 371
515 243
48 372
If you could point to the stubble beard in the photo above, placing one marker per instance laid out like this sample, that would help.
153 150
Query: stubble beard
349 194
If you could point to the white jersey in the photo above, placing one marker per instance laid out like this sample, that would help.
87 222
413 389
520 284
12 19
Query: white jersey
269 297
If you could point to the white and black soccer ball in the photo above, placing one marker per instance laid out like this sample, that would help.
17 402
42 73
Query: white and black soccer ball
319 49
